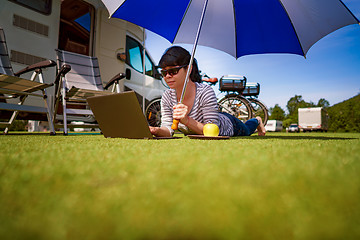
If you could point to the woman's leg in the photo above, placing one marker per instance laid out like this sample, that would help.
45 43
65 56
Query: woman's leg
248 128
251 125
261 128
255 123
240 129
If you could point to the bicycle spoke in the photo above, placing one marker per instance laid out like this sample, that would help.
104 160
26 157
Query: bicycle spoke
153 113
259 109
236 107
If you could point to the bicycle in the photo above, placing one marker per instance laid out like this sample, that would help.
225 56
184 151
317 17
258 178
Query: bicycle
153 112
241 97
251 93
153 109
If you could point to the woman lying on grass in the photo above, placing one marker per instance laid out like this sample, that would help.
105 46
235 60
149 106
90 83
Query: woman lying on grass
199 105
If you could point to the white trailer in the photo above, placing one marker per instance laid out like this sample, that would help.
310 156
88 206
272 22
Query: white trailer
274 126
34 29
313 119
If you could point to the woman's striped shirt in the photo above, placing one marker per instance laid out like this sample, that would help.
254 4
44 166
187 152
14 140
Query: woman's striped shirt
204 110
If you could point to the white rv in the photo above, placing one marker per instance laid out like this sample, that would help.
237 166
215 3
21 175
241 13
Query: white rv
313 119
274 126
35 28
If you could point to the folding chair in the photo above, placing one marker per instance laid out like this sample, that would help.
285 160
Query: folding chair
72 89
14 87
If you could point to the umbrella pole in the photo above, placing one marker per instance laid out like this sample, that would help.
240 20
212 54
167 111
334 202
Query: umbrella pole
144 73
175 124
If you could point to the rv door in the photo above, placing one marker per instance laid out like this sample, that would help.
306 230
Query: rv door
76 31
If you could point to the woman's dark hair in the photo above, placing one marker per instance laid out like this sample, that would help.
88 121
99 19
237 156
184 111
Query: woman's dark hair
178 56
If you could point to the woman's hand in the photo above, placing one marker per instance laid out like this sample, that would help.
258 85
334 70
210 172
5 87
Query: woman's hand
154 130
160 131
180 112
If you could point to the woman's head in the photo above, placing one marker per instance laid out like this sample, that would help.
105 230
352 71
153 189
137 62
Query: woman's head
178 56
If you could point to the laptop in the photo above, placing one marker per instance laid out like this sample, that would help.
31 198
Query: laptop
120 116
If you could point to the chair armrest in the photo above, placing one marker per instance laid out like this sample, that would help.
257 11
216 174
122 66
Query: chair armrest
116 78
63 70
36 66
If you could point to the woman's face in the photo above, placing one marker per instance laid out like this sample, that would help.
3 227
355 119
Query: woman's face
174 76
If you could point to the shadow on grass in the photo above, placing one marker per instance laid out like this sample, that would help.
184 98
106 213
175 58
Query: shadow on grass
254 137
48 134
26 133
296 138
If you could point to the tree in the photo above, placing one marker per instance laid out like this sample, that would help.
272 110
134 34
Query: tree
293 104
323 103
288 121
345 116
277 113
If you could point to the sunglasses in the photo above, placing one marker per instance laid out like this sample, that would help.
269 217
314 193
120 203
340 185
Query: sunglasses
171 71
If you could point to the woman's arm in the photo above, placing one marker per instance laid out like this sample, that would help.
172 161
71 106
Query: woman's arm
180 112
160 131
194 125
166 115
207 108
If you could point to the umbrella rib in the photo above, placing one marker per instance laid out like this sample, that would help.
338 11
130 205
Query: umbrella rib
349 11
235 26
297 37
177 31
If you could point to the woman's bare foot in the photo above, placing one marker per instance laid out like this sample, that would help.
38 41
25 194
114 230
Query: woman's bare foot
261 128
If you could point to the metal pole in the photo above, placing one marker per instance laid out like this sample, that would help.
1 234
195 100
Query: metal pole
144 73
175 124
193 52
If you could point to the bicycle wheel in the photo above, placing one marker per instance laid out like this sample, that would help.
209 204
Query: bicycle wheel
237 106
153 113
259 109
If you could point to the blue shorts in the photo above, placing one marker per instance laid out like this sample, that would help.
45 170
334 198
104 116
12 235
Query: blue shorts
240 128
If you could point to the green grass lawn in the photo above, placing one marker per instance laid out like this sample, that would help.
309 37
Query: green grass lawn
282 186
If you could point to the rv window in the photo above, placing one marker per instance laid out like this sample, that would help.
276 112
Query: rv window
150 68
84 21
76 24
42 6
134 54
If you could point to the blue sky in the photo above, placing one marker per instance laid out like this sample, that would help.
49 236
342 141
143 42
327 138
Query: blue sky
331 69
